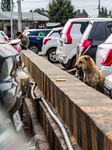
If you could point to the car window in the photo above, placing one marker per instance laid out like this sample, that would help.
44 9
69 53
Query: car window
35 33
41 33
86 32
75 29
99 33
110 29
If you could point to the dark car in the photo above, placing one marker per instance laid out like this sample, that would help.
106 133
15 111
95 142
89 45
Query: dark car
36 39
95 34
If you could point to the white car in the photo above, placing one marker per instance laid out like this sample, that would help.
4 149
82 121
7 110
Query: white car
102 56
70 37
50 44
106 62
3 36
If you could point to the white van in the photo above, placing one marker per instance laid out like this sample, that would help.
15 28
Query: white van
70 36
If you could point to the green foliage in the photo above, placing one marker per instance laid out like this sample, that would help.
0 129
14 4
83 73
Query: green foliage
104 13
78 11
60 11
38 10
83 12
5 5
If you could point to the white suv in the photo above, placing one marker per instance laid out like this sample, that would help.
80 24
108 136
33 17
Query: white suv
50 44
70 36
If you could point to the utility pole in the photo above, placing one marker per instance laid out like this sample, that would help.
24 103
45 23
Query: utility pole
19 16
99 9
11 20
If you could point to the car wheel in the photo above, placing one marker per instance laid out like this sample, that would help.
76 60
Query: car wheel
51 55
65 66
73 62
34 48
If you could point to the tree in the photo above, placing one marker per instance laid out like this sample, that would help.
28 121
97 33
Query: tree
5 5
104 13
78 11
84 13
38 10
60 11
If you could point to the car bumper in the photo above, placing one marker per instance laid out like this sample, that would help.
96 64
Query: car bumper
106 70
59 56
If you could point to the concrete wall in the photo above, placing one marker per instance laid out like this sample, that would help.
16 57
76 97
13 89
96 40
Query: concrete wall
85 111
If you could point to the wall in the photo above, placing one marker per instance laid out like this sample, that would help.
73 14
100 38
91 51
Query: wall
85 111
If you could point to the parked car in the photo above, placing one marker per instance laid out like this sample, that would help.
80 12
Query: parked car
16 45
9 139
4 35
2 39
36 39
102 50
106 63
10 92
50 44
28 31
95 34
70 36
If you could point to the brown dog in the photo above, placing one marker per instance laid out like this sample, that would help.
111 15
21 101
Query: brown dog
92 76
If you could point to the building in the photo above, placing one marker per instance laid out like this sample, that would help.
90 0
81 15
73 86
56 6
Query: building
30 20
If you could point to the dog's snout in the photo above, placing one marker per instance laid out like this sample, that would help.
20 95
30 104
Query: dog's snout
76 66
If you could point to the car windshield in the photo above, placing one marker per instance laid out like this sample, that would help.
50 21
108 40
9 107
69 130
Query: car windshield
109 40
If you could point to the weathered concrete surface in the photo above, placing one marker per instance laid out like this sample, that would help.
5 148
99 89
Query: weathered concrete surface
36 127
85 111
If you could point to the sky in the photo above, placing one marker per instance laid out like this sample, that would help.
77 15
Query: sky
91 6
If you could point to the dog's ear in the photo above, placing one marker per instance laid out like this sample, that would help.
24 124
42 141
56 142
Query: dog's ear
87 58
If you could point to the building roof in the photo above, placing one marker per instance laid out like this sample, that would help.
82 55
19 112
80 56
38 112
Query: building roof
25 16
80 16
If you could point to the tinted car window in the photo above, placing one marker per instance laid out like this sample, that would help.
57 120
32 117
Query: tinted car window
40 33
98 35
84 26
110 29
87 32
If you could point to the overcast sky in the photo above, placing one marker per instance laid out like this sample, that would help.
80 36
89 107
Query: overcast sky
91 6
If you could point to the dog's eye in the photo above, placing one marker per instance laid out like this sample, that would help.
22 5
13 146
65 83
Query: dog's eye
80 61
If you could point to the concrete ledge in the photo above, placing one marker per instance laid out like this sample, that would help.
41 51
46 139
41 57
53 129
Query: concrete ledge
85 111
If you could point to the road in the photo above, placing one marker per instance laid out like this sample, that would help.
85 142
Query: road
59 66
